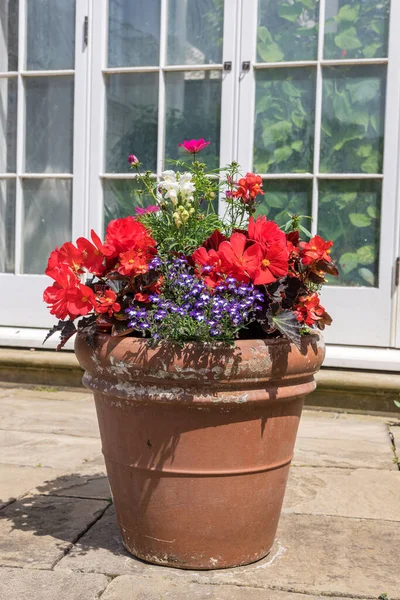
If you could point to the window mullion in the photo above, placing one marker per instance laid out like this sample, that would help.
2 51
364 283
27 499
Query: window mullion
318 116
161 87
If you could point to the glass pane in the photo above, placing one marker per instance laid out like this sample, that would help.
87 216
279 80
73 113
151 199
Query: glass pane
287 30
131 121
284 120
282 197
8 125
8 35
349 215
49 124
193 111
195 32
47 220
133 33
356 29
121 197
51 34
7 225
353 115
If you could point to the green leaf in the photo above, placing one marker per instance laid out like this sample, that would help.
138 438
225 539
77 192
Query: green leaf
359 219
298 119
326 128
363 91
374 123
348 262
370 50
277 133
397 403
290 12
282 153
264 34
285 321
364 150
342 108
275 200
371 165
270 52
349 136
291 90
309 3
298 145
367 275
348 40
348 13
263 104
344 199
366 255
378 27
372 211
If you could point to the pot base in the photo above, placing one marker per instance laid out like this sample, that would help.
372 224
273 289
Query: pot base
173 563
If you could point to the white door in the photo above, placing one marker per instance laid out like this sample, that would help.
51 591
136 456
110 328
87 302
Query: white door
42 146
161 72
319 118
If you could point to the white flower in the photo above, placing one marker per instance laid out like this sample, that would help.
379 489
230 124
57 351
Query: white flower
187 186
169 175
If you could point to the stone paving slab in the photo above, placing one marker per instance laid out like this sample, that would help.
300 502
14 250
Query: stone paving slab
128 587
349 454
363 493
36 531
49 415
48 450
19 584
312 554
76 485
15 481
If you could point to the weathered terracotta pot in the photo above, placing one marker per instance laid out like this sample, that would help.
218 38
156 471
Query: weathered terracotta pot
198 442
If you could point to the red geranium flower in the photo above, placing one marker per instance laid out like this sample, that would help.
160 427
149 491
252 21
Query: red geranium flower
92 255
248 188
194 146
273 265
107 303
310 311
266 233
67 297
124 234
243 263
68 255
135 261
211 265
314 250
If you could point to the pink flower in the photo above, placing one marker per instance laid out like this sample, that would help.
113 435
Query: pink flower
194 146
145 211
132 159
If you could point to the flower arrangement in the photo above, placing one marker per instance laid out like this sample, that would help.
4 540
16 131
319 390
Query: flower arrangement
179 271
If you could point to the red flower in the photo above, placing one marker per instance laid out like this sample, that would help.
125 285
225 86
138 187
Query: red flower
243 263
248 188
310 311
135 261
212 266
194 146
92 254
124 234
215 239
266 233
315 250
147 290
107 303
132 159
67 255
273 265
67 297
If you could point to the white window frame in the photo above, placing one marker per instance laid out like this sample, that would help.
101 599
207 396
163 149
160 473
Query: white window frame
371 318
22 305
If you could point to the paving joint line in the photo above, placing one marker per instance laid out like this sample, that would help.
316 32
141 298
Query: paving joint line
89 437
396 458
80 535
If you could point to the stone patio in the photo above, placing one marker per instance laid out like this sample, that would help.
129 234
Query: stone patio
339 534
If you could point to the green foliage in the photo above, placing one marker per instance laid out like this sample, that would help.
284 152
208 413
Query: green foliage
349 215
352 120
121 197
358 30
287 30
283 197
284 123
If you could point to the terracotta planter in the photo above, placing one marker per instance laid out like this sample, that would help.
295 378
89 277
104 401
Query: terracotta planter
198 442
